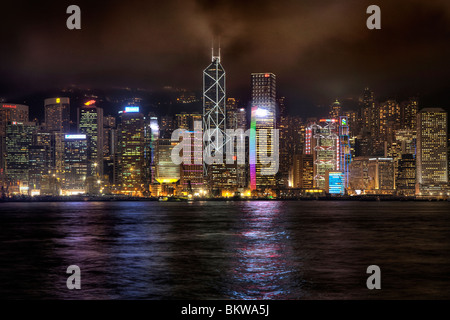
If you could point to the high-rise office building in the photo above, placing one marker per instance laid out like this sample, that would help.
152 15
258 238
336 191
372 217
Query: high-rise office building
389 122
38 167
153 142
132 152
408 110
19 137
191 172
431 160
302 171
263 125
290 130
57 114
214 123
405 180
323 143
381 176
76 160
232 113
335 110
167 172
9 112
371 175
109 149
90 123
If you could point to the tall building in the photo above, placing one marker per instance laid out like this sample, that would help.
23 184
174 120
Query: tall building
343 142
90 123
19 137
323 144
57 115
408 110
372 175
263 125
153 142
76 161
109 150
405 180
335 110
359 175
191 174
132 152
167 172
290 130
9 112
389 122
38 167
214 122
381 176
302 171
231 113
431 161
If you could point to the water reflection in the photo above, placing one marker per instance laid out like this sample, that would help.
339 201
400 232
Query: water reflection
117 246
263 265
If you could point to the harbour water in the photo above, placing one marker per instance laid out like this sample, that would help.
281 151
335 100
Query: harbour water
225 250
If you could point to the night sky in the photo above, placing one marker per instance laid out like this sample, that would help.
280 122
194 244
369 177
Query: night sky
319 50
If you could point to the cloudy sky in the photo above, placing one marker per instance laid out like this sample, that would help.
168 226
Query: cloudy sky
319 50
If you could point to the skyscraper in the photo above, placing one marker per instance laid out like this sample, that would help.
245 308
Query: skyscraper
19 137
9 112
408 110
323 144
263 122
75 170
191 174
214 122
90 123
335 110
131 152
57 114
431 161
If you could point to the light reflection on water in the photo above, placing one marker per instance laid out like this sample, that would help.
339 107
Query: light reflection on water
225 250
261 268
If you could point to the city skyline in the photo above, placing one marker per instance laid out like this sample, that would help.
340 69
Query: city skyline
320 51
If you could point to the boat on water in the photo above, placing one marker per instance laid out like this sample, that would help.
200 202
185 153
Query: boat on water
174 199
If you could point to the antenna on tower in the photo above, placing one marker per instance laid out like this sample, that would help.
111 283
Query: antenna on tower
219 49
214 57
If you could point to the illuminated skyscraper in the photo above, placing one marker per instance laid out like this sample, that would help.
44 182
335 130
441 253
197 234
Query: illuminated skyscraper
302 171
263 121
323 144
57 115
389 122
9 112
335 110
408 111
345 156
109 149
191 174
381 176
154 137
290 129
214 121
90 123
432 168
167 172
76 161
19 137
132 171
405 180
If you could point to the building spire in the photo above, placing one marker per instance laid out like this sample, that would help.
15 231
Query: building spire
214 57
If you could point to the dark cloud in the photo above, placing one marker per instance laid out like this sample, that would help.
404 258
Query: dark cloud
318 49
